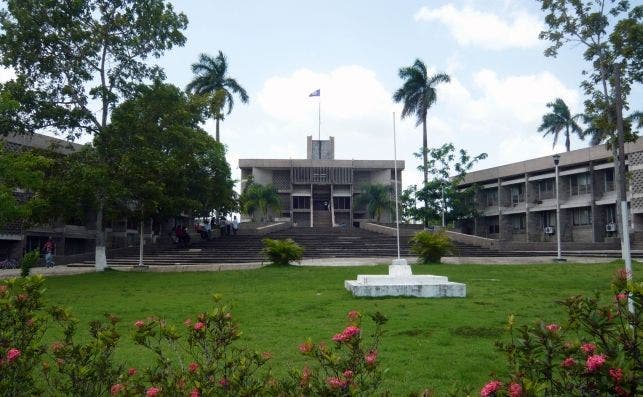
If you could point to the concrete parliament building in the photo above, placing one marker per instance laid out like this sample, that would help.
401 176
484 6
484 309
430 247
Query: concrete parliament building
517 202
320 191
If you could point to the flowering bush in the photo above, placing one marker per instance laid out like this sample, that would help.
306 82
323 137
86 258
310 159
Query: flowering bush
597 353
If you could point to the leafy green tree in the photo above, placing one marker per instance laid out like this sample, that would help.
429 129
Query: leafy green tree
70 58
25 171
211 80
560 120
418 94
377 200
616 58
259 197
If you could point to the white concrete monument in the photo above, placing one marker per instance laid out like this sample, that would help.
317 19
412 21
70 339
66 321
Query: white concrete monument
400 281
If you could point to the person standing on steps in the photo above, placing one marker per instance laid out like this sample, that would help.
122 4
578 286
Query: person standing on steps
50 249
235 225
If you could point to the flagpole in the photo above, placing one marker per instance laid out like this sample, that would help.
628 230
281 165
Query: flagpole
397 212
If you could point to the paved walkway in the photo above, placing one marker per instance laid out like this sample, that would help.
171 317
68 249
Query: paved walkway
214 267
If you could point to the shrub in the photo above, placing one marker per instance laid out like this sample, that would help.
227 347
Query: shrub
282 252
596 353
29 260
430 246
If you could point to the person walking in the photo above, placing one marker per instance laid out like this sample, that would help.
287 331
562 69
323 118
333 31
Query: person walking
50 249
235 225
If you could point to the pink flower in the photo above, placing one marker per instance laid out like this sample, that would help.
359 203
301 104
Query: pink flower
621 298
306 373
371 358
553 327
594 362
515 390
306 347
13 354
336 383
194 393
199 326
193 367
348 374
616 374
568 362
588 348
117 388
490 388
152 392
57 347
224 382
139 324
131 371
346 334
620 391
354 315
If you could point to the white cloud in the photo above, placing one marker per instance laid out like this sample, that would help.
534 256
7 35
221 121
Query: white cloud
485 29
6 74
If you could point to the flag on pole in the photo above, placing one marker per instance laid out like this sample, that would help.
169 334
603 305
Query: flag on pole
315 93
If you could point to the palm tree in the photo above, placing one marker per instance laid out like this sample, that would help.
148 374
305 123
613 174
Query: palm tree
211 79
418 94
560 119
376 198
260 197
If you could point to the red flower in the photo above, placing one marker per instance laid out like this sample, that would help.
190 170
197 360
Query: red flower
336 383
116 389
152 392
139 324
346 334
224 383
515 390
354 315
490 388
568 362
306 373
371 358
306 347
57 347
588 348
621 298
594 362
131 371
553 327
193 367
199 326
616 374
348 374
194 393
13 354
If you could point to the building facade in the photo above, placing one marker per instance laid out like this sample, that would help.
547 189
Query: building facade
320 191
517 202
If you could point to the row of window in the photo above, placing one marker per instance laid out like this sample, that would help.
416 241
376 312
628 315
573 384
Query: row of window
303 203
578 184
580 217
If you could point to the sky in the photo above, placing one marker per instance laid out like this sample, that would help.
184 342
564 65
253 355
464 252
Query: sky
281 51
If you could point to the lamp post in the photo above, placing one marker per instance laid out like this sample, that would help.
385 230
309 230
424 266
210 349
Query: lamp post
559 258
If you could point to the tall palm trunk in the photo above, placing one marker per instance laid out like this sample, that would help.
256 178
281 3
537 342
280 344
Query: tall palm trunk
425 159
567 138
217 124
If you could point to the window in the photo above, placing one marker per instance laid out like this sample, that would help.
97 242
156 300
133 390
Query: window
547 218
342 203
300 202
609 180
546 189
580 184
518 222
517 195
610 214
582 216
494 228
491 197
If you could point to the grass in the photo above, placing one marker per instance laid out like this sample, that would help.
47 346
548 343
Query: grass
429 343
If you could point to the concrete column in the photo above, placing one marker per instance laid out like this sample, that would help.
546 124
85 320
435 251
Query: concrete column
311 205
528 199
332 206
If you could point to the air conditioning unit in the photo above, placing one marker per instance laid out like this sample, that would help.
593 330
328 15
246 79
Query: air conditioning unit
610 227
549 230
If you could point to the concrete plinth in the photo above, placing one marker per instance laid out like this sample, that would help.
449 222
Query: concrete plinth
401 282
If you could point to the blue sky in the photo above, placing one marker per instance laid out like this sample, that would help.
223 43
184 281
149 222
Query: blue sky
281 51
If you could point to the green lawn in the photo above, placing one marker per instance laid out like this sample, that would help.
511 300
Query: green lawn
428 342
